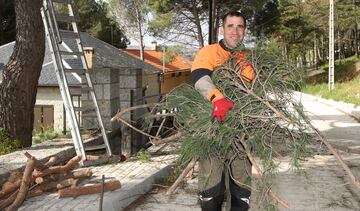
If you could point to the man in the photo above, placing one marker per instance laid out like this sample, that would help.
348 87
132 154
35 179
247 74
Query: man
213 174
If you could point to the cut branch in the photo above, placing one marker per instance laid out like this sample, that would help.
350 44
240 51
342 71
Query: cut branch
338 158
174 137
79 174
78 191
253 162
25 183
59 169
11 184
9 200
181 177
48 186
155 139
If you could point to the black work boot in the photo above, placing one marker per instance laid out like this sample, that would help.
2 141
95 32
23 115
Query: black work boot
212 199
240 197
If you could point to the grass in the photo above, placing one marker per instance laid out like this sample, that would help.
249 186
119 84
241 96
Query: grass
44 134
144 156
347 83
7 145
344 71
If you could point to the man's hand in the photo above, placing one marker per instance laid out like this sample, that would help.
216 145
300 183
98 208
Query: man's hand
221 109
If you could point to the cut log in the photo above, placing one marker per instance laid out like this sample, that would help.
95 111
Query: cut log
48 186
39 180
9 200
12 183
66 183
93 157
24 187
78 191
9 188
80 174
59 169
38 164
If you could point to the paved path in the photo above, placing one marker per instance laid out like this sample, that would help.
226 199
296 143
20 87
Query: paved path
136 179
322 184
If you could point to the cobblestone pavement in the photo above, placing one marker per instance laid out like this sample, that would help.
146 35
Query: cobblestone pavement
136 178
320 185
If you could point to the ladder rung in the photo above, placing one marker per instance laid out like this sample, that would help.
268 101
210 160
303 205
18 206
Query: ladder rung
68 53
68 34
84 109
78 71
95 147
65 18
63 1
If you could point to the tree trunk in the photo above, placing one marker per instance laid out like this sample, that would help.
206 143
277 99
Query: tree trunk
214 29
315 60
21 73
141 36
195 13
356 32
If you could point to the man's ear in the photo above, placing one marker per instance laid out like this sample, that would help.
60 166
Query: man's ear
221 29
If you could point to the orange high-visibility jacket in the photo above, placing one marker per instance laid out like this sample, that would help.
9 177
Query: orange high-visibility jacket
207 60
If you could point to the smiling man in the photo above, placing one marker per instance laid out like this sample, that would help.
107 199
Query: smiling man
213 173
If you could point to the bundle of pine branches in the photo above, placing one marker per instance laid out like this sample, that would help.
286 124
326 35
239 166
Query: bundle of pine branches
265 113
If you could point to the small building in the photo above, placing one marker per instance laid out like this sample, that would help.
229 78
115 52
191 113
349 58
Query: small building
111 70
175 73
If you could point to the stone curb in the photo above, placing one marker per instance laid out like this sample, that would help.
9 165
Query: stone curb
123 199
347 108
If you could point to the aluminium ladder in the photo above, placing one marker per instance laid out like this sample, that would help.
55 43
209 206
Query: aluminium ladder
55 38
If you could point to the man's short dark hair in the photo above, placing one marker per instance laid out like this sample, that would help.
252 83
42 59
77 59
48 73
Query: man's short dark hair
231 14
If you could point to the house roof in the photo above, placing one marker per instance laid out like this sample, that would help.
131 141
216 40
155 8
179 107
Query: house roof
155 58
106 55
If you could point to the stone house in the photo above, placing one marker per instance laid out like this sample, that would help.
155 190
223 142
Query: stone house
115 75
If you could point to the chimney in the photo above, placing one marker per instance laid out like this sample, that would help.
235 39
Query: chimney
153 45
89 53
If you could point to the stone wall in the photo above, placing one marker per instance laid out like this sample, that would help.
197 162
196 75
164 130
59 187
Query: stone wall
131 94
106 86
117 89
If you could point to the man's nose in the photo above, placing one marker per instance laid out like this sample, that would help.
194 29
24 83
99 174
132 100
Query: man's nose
234 31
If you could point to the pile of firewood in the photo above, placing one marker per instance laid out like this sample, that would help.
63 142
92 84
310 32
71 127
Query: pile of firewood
39 177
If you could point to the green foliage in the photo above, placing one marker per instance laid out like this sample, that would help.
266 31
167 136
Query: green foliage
171 178
182 21
92 17
345 71
144 156
170 53
347 91
44 134
7 21
265 113
132 17
7 145
161 22
267 21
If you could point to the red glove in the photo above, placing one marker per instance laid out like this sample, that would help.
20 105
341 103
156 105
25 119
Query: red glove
221 109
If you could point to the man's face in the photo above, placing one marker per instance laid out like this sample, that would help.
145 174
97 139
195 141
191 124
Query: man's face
233 30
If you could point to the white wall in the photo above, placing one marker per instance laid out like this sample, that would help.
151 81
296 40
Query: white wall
52 96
